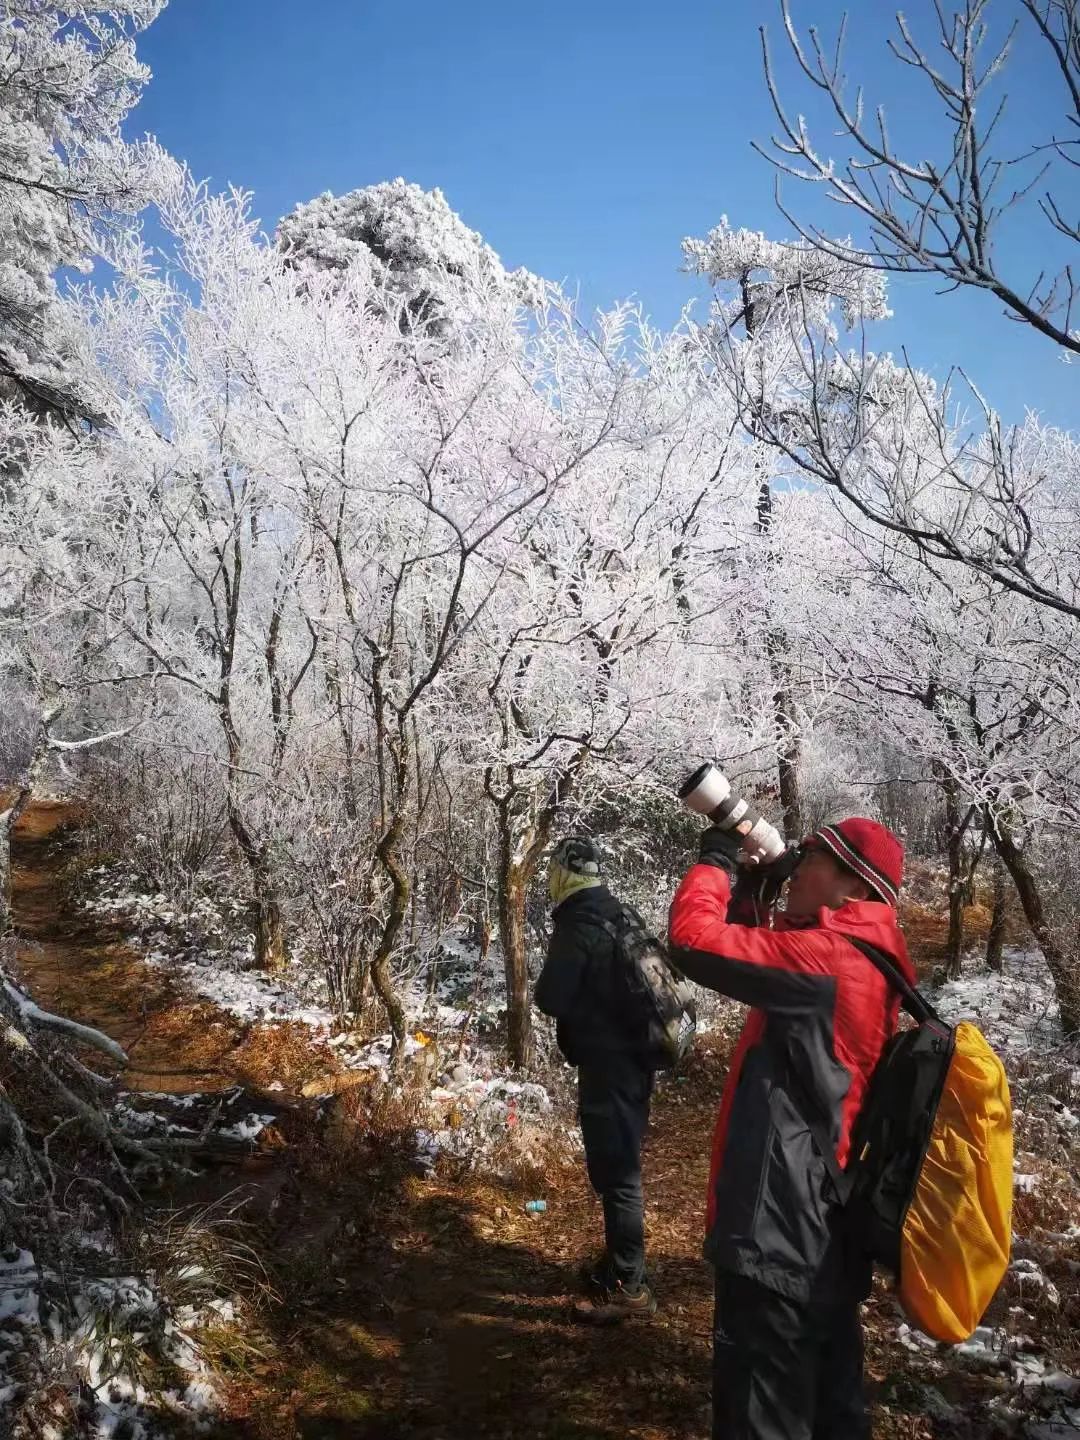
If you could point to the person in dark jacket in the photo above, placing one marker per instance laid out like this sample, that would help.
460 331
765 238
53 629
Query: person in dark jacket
579 986
787 1344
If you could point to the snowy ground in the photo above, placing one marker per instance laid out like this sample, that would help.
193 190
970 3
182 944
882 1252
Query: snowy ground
206 948
1015 1010
114 1325
471 1110
1026 1371
76 1323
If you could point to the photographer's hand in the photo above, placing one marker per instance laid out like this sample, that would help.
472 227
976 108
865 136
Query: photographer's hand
762 883
721 848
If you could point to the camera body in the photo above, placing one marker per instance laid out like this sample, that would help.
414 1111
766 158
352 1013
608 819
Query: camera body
708 792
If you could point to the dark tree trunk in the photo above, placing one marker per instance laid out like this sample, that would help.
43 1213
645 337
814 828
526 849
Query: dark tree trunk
954 847
995 940
789 752
521 847
513 893
518 856
271 948
1061 957
389 851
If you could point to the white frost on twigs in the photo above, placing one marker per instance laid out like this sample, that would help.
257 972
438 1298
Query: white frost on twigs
89 741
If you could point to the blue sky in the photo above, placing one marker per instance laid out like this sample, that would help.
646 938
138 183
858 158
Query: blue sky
583 140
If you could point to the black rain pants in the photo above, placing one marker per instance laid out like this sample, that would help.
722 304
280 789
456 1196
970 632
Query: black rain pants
614 1090
785 1369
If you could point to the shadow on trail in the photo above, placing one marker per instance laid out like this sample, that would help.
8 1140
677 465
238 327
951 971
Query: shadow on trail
428 1328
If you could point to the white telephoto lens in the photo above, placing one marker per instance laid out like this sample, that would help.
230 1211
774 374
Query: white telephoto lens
711 790
734 818
764 841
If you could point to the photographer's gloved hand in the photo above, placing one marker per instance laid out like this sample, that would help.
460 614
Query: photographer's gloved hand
719 847
762 883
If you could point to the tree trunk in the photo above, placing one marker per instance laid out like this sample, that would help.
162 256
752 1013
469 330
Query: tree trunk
1061 958
791 746
271 952
271 947
389 852
381 978
790 741
996 938
522 842
776 644
516 863
512 896
383 983
954 847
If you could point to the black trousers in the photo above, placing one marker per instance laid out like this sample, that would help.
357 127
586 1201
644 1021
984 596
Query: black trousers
783 1369
613 1107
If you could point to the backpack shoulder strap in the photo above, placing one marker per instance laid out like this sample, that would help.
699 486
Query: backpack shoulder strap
915 1003
628 920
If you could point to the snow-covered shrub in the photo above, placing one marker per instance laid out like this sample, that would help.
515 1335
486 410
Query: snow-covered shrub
412 247
163 814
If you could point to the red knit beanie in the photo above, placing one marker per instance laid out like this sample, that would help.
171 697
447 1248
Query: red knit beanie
875 854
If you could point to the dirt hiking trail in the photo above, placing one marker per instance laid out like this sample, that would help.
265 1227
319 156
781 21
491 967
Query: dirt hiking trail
408 1306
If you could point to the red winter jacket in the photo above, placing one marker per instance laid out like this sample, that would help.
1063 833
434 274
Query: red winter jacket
821 1015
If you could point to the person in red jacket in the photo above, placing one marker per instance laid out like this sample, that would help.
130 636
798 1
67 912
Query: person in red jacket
787 1343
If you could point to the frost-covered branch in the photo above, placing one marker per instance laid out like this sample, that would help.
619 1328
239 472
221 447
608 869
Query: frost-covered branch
941 215
29 1012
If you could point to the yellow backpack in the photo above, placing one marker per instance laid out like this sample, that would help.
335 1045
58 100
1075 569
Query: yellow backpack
930 1182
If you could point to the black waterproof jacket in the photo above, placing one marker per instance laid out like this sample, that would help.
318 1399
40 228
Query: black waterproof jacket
578 985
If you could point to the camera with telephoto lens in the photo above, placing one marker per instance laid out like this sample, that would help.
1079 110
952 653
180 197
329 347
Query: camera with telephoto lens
708 792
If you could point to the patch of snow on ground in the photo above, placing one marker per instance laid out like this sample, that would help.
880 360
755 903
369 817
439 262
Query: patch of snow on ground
247 994
1032 1282
994 1349
1016 1010
248 1128
110 1313
206 947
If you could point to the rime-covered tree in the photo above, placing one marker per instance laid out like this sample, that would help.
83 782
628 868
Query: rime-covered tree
944 211
439 274
68 77
766 294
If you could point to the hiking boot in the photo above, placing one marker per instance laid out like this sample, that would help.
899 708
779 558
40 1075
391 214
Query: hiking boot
615 1304
593 1274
